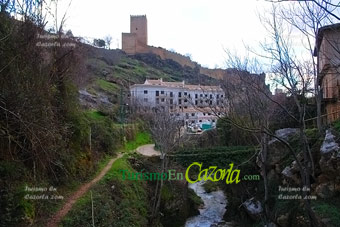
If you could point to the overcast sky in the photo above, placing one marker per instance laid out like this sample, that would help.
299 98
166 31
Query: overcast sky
201 28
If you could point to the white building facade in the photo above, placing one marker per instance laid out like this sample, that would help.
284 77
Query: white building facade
194 104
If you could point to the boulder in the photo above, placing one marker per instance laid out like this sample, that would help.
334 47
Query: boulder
330 157
253 208
329 145
286 133
291 173
276 150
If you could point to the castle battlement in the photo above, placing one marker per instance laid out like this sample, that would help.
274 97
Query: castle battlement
137 15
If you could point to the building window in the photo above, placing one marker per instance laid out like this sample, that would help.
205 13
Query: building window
193 114
203 114
162 92
157 100
179 101
196 96
210 102
157 93
177 114
145 91
206 95
218 102
201 101
211 96
217 96
185 100
209 114
196 102
162 100
221 96
213 120
179 94
185 107
201 95
193 122
171 101
145 99
171 94
185 93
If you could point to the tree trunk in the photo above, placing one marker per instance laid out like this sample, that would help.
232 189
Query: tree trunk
264 146
159 186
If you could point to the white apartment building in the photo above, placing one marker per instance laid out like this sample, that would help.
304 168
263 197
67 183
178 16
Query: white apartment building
194 104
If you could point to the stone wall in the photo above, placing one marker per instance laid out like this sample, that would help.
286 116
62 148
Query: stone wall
129 43
166 54
214 73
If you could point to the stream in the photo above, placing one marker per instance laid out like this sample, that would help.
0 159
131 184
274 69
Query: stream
214 207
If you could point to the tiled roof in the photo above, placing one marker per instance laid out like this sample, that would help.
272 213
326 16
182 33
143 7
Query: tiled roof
160 82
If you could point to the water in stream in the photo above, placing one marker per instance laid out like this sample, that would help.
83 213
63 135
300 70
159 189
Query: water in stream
213 210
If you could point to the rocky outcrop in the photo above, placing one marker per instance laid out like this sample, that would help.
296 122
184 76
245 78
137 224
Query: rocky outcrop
93 101
253 208
330 157
277 152
291 173
329 145
328 182
286 133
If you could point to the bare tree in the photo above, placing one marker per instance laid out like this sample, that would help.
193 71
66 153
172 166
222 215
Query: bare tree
108 40
167 132
307 18
296 77
326 5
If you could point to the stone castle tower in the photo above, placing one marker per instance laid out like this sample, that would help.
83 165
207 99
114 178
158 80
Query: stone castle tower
137 40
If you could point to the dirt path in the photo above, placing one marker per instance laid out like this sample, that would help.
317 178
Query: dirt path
148 150
54 221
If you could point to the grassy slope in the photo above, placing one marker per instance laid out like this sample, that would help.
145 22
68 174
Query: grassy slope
141 139
109 79
127 207
116 202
